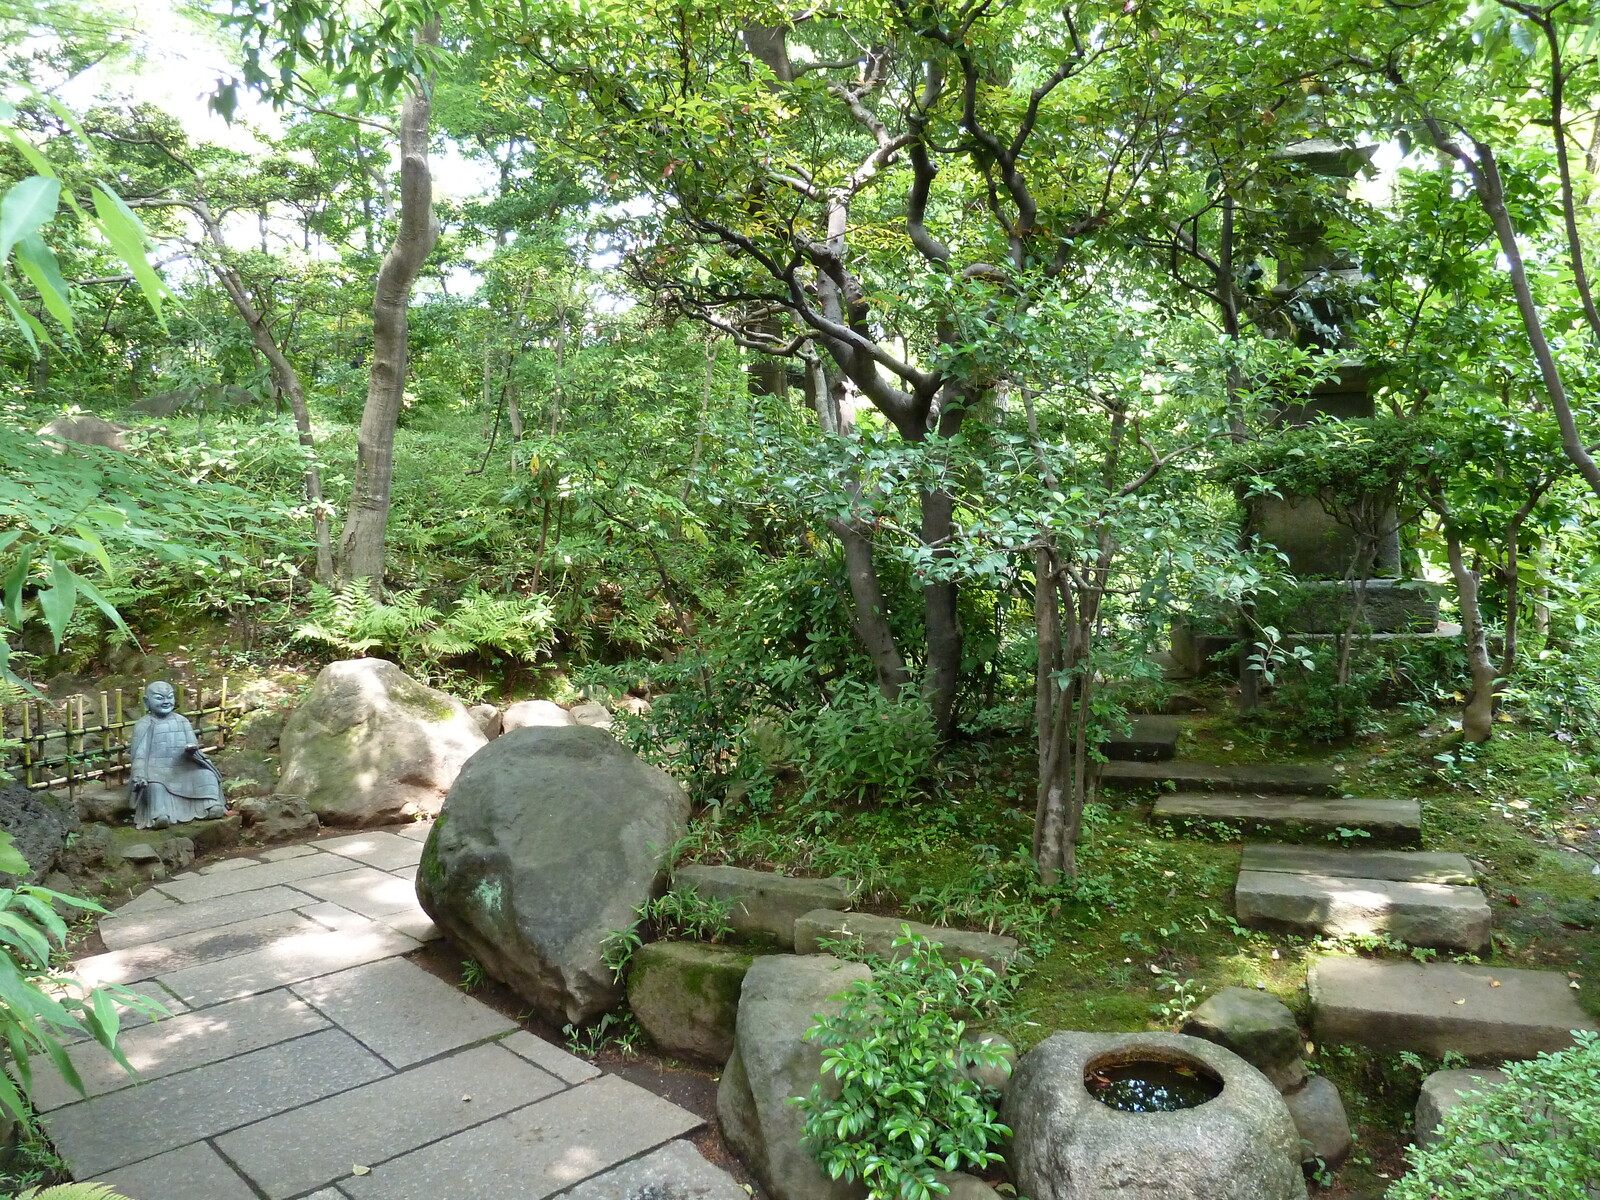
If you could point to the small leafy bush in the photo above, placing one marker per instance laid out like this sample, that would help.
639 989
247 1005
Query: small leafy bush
860 746
1537 1137
906 1109
681 912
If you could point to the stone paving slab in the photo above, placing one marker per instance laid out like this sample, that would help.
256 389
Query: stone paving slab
1438 1007
1226 777
223 866
417 831
1401 866
401 1013
414 923
1149 739
535 1151
279 853
120 932
136 1123
190 950
298 957
196 1172
1395 823
295 1151
366 890
190 888
1441 916
179 1044
566 1067
677 1170
146 901
376 848
128 1019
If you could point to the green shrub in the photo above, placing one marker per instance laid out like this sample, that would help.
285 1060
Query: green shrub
1537 1137
906 1110
860 746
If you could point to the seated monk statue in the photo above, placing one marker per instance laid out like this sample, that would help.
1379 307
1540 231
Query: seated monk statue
172 779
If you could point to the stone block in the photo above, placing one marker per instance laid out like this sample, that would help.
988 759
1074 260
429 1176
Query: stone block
290 1153
1150 739
178 1043
1258 1027
126 928
1488 1014
1291 818
535 1151
1401 866
877 936
303 957
400 1012
677 1170
1442 1091
1316 542
116 1129
1441 916
765 905
686 997
1386 606
566 1067
189 950
195 1172
191 888
377 848
1293 778
365 890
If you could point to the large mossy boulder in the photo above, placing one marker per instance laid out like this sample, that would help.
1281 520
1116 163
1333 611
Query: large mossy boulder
549 840
369 745
685 995
772 1063
38 823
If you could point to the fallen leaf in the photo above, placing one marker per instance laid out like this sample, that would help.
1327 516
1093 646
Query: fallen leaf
466 1098
1494 983
1458 1002
358 1169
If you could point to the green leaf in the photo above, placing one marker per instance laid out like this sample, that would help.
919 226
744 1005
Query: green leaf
11 587
26 207
38 262
127 237
11 860
58 600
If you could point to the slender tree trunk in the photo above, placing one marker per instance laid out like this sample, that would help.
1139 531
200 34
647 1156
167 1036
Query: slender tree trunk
1477 718
361 547
941 619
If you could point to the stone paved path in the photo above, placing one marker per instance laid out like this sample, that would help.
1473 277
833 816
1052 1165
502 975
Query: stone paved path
306 1057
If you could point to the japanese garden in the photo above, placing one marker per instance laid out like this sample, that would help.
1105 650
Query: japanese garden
860 601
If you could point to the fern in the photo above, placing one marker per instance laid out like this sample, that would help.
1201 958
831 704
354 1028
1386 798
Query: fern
72 1191
348 618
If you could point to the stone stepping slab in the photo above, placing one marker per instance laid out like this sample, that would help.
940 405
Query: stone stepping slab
1395 823
1488 1014
1401 866
1150 739
764 905
1225 777
1442 916
877 936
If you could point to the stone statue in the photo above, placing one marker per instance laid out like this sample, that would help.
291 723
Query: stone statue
172 779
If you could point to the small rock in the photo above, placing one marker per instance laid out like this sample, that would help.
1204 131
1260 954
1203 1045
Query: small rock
634 706
107 805
534 714
488 718
994 1075
1442 1091
590 713
1320 1118
1256 1026
966 1187
686 997
143 852
278 819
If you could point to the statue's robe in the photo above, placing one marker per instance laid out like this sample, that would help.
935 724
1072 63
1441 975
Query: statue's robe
177 788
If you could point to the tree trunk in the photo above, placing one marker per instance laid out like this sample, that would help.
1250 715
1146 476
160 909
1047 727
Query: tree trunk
361 547
941 621
1477 719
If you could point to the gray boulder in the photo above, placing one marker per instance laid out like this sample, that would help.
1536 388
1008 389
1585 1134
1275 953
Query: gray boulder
1442 1091
1320 1118
772 1063
270 819
686 997
86 431
1067 1145
38 823
592 713
1256 1026
764 905
534 714
489 720
549 840
369 745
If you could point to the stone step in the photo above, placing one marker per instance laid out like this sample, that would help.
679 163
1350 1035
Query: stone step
1488 1014
1401 866
763 906
1225 777
1150 739
1396 823
877 934
1443 916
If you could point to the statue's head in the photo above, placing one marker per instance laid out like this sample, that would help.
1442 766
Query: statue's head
159 698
